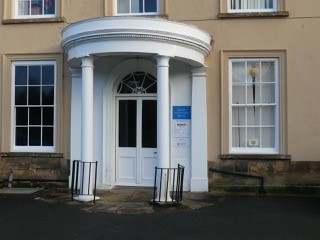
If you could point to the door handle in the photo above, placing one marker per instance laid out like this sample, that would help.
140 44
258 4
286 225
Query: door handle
155 152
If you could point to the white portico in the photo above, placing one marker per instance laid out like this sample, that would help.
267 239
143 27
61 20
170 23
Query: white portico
128 76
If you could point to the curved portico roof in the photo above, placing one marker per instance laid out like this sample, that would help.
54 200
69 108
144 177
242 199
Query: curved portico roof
136 35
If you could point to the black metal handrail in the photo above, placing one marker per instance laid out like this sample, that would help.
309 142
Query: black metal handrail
77 178
168 181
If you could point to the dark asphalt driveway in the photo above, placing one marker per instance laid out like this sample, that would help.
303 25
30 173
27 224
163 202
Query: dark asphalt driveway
22 217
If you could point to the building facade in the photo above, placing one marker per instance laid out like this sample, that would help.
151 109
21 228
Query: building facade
229 84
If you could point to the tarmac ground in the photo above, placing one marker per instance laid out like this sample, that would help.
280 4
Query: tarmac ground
126 213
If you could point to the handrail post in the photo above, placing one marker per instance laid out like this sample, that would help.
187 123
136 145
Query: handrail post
173 190
84 193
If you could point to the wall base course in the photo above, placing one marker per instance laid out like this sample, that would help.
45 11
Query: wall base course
277 172
29 166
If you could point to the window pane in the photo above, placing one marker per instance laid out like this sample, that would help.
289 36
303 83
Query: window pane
268 137
22 116
268 116
23 7
151 6
21 136
21 95
48 95
239 94
267 72
47 136
150 84
127 123
253 93
251 4
253 116
34 75
253 137
138 82
35 116
48 115
34 95
21 75
238 137
49 6
48 75
35 136
123 6
238 116
239 72
149 123
136 6
268 93
36 7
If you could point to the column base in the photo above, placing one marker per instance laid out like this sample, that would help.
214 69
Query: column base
85 198
199 185
163 200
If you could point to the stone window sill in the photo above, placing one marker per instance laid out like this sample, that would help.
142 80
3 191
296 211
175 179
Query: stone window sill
255 157
34 20
279 14
35 155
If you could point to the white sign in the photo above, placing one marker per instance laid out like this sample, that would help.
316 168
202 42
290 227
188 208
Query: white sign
181 133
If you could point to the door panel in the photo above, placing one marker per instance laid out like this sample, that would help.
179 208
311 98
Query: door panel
127 123
149 124
127 168
148 164
148 141
136 153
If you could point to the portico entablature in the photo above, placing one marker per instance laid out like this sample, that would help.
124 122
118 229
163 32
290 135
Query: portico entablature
136 35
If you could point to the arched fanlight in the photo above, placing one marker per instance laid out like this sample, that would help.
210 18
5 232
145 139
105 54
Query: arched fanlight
138 83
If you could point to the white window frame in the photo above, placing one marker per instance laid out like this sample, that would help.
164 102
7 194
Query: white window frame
256 150
16 11
15 148
247 8
133 14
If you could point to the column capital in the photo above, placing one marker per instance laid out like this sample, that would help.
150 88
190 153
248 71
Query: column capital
75 72
199 71
162 61
87 61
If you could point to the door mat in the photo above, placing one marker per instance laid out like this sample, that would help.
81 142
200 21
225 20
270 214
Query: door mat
19 190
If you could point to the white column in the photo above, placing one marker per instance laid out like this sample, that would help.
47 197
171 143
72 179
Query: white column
87 109
86 193
163 123
75 121
199 162
163 112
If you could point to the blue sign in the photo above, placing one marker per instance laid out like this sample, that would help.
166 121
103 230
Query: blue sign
181 112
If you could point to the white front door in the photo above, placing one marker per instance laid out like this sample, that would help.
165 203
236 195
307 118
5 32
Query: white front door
136 149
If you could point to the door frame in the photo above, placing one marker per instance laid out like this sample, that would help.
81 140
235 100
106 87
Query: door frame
139 154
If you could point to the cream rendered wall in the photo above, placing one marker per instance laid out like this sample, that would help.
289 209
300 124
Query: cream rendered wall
32 41
77 10
296 34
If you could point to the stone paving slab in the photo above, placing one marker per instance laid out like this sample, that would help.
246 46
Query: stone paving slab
122 208
19 190
125 200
